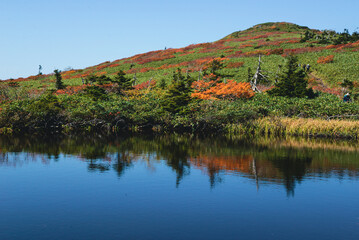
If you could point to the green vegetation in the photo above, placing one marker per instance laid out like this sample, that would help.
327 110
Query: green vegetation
59 83
150 90
293 82
179 93
123 83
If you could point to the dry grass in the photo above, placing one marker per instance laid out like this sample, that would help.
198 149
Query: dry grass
300 127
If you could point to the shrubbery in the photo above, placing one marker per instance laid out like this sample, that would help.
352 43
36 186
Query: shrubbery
79 112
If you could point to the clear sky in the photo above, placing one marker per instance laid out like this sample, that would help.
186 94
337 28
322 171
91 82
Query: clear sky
82 33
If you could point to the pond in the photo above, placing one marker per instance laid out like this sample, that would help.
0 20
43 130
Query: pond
178 187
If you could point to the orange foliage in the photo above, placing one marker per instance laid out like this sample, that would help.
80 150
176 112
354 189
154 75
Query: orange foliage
230 90
327 59
101 73
256 53
227 163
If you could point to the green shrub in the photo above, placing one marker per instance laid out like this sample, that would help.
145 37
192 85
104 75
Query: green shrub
96 93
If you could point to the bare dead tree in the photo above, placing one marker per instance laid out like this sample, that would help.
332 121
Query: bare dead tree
149 83
134 80
200 74
258 76
255 172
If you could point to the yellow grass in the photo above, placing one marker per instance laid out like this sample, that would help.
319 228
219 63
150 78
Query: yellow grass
300 127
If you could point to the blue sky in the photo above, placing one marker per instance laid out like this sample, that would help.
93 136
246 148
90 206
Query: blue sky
79 33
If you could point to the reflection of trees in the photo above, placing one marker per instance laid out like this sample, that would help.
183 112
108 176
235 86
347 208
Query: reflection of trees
176 153
292 168
214 156
124 161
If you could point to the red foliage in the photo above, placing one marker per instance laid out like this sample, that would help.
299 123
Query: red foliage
148 84
191 47
303 50
236 54
187 53
235 64
335 91
213 47
146 69
276 51
155 56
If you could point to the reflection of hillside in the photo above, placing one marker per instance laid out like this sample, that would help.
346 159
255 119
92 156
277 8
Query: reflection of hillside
264 161
284 170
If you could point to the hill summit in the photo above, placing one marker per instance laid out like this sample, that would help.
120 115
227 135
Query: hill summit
332 56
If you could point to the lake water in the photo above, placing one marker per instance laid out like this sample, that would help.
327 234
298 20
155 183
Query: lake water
178 187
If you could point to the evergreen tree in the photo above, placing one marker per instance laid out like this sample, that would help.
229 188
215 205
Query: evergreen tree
163 84
123 83
214 67
292 82
179 93
59 83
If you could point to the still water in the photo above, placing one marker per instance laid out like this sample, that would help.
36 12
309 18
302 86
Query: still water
178 187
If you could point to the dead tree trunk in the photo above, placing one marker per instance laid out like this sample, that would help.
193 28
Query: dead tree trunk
200 74
255 172
149 84
134 80
258 76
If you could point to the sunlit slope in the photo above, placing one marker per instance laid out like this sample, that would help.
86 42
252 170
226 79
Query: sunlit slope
241 49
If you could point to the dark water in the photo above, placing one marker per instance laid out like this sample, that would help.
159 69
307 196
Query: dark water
178 187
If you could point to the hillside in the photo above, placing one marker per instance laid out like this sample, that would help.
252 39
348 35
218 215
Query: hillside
240 51
209 93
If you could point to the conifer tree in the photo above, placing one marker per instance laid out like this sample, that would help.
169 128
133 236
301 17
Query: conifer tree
163 84
213 67
179 93
59 83
123 83
292 82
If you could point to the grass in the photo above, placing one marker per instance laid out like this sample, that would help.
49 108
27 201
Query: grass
283 126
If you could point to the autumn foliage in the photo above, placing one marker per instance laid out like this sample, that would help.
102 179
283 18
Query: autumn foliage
327 59
230 90
145 85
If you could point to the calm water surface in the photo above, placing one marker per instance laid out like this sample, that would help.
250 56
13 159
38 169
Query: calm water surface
178 187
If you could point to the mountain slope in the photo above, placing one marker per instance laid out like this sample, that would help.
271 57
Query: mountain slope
240 49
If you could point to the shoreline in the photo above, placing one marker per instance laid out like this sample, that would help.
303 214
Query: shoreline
262 127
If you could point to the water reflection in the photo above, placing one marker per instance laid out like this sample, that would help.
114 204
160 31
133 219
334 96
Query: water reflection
284 162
